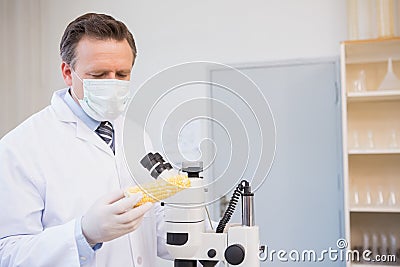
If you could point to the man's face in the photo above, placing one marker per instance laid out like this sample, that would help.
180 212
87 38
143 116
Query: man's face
98 59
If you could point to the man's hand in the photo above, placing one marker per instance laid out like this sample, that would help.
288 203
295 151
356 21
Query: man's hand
113 216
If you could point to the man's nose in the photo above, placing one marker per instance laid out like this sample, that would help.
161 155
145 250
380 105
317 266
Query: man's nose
111 75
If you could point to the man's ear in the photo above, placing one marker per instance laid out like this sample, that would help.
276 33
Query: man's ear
66 73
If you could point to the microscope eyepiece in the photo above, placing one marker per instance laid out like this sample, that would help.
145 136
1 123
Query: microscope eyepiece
192 168
155 164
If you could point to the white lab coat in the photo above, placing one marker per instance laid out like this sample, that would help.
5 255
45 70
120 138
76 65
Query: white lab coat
52 169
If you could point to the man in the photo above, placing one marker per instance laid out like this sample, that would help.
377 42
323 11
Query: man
62 173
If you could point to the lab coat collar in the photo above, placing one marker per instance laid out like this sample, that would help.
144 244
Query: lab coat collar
65 114
61 109
79 112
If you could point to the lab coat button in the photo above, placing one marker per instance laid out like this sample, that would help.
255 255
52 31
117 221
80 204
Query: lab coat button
139 260
83 258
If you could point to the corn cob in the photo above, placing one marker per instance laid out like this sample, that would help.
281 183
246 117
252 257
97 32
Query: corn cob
159 189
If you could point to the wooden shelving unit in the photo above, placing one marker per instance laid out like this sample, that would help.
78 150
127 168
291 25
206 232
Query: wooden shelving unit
371 147
373 151
375 209
373 95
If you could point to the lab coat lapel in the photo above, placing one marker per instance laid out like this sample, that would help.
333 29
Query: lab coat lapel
84 133
64 114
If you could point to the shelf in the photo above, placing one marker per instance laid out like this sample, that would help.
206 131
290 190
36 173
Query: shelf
373 59
375 95
373 151
370 41
374 50
376 209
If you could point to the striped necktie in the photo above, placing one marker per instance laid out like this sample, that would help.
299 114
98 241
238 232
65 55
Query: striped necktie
106 132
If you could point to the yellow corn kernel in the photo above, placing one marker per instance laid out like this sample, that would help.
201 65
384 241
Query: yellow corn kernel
159 189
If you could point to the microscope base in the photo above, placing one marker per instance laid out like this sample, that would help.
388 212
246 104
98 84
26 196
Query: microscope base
185 263
208 263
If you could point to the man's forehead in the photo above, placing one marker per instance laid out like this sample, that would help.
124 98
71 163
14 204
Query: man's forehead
103 54
92 45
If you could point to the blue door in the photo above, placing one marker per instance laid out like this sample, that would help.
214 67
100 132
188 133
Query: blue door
299 207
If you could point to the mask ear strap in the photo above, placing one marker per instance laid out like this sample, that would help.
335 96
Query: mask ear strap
77 76
72 89
73 93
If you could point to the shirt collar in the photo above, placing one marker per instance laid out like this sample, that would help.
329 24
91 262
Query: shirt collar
79 112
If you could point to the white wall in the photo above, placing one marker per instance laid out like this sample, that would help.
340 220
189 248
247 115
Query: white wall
167 33
170 32
173 31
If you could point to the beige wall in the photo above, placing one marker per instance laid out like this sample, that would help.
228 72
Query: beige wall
22 88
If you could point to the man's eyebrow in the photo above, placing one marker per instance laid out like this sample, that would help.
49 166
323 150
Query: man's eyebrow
97 71
107 71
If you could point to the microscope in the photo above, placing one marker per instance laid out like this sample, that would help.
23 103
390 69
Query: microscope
188 239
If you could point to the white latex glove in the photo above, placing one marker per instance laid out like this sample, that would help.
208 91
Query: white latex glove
113 216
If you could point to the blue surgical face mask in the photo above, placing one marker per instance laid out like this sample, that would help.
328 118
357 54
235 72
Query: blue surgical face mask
104 99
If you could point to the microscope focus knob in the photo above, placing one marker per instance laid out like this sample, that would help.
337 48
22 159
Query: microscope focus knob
212 253
234 254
